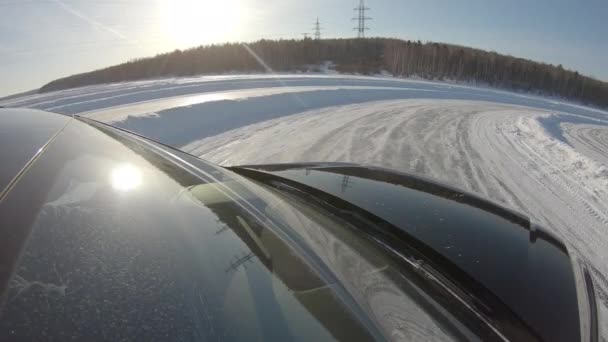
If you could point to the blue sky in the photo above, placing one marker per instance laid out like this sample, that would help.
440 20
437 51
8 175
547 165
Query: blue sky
41 40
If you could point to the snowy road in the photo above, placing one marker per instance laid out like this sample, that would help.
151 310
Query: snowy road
542 157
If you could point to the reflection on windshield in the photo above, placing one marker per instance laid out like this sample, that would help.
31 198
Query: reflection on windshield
298 285
400 307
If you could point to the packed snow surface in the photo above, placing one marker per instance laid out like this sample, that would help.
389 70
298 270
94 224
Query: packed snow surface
543 157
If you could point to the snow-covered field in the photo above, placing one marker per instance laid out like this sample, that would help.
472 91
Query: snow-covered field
543 157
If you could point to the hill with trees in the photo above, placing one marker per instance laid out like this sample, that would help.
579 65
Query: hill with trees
365 56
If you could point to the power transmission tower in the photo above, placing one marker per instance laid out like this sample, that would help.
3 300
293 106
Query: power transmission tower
361 19
306 35
317 30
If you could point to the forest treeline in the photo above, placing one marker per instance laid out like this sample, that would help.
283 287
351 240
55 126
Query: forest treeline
366 56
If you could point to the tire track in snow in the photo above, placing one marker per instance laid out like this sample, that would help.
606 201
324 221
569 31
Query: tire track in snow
591 140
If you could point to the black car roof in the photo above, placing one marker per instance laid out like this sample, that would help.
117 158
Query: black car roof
107 237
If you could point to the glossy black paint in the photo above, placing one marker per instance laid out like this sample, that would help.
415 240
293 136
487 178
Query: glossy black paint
188 250
86 256
23 133
519 276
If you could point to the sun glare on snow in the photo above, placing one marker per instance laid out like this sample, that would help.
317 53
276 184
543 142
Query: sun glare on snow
195 22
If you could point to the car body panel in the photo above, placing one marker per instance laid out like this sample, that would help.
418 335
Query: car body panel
114 244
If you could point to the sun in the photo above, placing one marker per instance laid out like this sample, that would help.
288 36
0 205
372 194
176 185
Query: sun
190 23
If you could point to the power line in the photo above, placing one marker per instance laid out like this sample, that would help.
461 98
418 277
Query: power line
306 35
317 29
361 19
